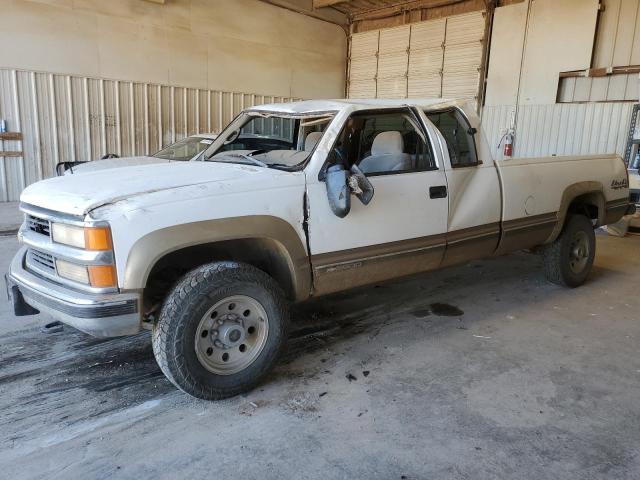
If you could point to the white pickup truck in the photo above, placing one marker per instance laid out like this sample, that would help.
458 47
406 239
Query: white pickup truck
294 201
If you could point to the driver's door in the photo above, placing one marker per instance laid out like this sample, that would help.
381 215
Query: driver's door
402 230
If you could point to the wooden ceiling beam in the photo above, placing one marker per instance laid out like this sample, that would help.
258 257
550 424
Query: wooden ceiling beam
327 3
399 7
306 7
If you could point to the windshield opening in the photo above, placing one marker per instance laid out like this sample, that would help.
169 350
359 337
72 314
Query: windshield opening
185 149
270 140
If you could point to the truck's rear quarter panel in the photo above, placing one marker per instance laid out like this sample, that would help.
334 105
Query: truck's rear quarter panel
537 193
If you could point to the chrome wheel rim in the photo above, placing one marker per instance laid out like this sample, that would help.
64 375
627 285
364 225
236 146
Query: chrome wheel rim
579 252
231 335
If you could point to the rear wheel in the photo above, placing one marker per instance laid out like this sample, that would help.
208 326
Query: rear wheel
221 330
568 260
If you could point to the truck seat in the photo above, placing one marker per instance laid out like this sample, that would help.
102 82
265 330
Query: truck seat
311 141
387 154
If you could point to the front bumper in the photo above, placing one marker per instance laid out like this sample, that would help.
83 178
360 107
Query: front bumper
98 314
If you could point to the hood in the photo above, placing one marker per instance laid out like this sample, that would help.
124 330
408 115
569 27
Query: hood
79 194
113 163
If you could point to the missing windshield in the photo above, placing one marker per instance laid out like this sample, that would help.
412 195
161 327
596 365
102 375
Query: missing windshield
270 140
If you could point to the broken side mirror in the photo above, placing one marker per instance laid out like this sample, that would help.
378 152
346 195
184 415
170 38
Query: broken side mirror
360 185
338 192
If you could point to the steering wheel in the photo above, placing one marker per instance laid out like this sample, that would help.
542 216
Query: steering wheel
258 152
340 156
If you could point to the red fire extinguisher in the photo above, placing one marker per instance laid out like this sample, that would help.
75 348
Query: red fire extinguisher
508 144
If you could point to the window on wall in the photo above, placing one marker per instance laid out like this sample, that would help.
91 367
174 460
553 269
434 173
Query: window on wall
384 143
459 137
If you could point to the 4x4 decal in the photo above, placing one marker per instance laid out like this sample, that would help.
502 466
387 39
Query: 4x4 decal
619 184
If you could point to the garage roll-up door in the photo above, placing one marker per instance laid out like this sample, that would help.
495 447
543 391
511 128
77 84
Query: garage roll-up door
435 58
425 59
463 55
393 54
363 65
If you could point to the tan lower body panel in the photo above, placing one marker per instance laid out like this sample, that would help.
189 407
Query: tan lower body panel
526 232
471 243
615 210
336 271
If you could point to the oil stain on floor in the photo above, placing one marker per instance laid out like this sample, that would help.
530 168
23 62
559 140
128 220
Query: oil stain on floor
438 309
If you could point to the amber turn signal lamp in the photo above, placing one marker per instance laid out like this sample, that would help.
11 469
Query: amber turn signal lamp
102 276
97 238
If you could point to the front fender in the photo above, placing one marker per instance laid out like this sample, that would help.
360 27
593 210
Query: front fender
149 249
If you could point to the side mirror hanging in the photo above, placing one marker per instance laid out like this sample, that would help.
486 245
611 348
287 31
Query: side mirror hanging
360 185
338 192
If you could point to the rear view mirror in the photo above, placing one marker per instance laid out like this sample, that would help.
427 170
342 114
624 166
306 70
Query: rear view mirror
360 185
232 137
338 190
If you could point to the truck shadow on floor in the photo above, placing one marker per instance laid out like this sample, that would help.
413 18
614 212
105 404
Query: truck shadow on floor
43 372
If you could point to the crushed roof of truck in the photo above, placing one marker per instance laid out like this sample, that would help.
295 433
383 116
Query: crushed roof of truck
311 106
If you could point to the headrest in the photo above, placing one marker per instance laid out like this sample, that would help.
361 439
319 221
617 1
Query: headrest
387 143
311 140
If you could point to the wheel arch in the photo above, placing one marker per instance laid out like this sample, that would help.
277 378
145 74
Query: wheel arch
581 197
269 243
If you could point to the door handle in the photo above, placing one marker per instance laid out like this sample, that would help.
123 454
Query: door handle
438 192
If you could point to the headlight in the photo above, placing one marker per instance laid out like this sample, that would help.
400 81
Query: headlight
72 271
87 238
100 276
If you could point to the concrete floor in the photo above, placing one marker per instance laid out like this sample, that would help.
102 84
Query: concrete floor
10 218
532 381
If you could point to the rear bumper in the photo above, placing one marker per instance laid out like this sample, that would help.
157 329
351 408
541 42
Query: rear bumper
100 315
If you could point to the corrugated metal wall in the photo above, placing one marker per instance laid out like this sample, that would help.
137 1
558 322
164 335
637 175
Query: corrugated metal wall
598 89
72 118
560 129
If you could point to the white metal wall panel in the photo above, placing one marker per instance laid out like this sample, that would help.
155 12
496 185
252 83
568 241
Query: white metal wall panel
560 129
73 118
618 39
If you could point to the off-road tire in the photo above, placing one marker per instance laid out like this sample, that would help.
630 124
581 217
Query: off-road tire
557 255
173 334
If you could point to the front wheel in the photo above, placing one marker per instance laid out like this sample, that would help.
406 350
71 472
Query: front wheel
220 330
568 260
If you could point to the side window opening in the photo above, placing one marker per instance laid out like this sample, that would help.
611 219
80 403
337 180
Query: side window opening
386 142
455 128
311 131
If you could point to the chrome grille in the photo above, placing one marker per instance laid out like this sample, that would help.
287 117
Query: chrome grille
38 225
41 261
